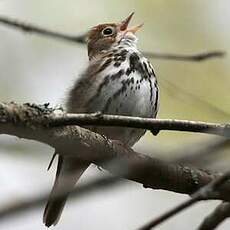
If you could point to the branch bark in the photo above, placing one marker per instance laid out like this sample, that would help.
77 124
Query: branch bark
143 123
32 122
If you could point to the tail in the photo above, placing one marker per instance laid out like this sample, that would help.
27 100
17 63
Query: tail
69 171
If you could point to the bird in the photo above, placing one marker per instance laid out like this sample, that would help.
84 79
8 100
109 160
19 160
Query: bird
118 80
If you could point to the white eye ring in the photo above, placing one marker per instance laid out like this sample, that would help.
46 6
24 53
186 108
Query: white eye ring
108 31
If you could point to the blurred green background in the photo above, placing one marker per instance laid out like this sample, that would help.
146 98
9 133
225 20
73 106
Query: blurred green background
37 69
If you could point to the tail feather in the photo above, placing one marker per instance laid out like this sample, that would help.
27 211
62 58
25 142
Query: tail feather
53 211
68 173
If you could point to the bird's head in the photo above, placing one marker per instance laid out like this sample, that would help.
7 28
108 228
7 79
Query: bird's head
103 36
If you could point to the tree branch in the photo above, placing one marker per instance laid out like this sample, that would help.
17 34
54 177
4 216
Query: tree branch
139 122
200 154
52 127
184 57
207 192
32 29
221 213
34 202
30 122
49 117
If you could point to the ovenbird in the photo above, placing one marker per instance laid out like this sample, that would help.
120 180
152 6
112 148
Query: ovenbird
118 80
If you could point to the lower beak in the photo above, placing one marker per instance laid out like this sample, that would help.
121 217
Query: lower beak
134 29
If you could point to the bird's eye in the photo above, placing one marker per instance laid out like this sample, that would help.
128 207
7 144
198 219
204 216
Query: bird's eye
108 31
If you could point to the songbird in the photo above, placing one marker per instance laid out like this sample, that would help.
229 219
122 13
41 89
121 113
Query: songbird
118 80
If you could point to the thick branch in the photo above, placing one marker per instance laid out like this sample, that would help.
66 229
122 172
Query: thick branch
30 28
27 121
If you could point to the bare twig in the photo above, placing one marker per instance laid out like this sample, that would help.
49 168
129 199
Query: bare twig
30 28
170 213
207 192
82 190
196 155
57 118
184 57
139 122
221 213
185 96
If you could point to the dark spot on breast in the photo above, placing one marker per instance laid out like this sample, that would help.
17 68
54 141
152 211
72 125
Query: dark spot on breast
120 57
157 97
151 90
128 71
104 83
117 64
100 87
120 91
134 61
152 70
136 65
123 52
147 70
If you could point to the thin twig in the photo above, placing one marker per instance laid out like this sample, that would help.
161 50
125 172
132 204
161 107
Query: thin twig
198 155
30 28
184 57
79 192
57 118
221 213
207 192
139 122
170 213
184 95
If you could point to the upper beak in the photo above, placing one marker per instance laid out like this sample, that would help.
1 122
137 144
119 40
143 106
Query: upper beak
124 25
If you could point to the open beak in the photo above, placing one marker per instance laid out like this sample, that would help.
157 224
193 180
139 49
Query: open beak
124 25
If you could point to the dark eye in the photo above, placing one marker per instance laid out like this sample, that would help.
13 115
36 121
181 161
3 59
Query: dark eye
108 31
